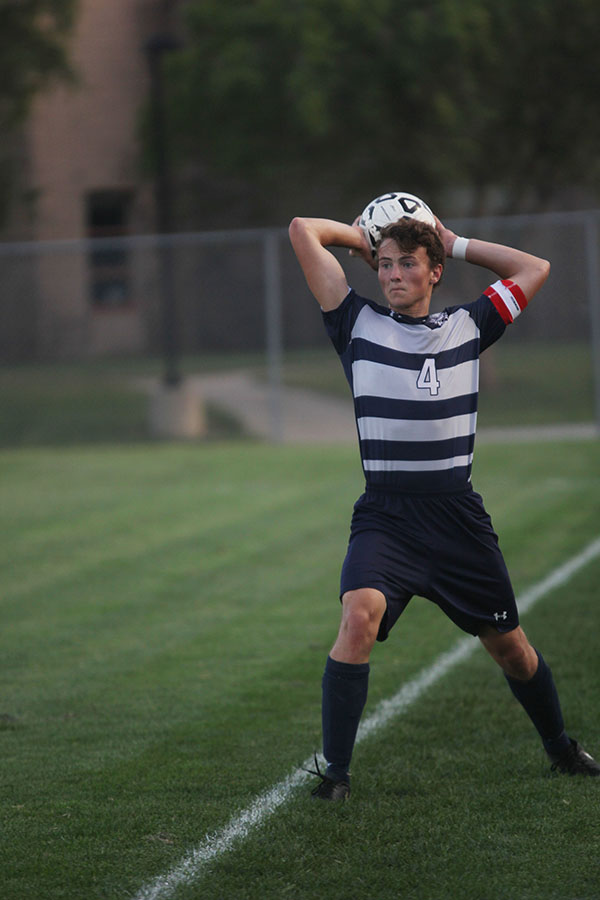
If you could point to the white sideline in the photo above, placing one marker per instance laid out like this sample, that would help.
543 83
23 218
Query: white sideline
265 804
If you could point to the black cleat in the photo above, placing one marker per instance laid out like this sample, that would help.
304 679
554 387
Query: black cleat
575 761
328 789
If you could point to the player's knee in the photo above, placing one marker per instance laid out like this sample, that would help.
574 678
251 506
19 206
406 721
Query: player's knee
358 621
362 614
515 663
514 655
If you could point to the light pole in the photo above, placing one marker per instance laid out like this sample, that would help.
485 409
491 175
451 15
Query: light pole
176 409
155 48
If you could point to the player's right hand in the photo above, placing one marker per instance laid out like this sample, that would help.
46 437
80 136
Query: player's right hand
365 251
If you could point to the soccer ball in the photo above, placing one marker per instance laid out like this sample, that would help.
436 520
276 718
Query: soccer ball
390 208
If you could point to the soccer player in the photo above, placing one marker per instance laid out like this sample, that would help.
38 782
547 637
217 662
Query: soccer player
419 528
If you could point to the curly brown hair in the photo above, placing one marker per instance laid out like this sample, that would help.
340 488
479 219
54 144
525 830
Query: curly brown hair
409 234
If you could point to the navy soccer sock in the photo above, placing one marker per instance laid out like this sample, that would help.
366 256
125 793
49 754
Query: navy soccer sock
539 699
345 687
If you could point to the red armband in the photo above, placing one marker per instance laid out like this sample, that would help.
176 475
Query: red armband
508 298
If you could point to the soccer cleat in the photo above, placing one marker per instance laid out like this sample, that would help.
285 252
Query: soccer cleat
328 789
575 761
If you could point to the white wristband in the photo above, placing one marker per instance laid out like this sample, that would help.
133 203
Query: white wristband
459 248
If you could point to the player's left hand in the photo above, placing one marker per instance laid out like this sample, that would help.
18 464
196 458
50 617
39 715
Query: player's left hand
447 236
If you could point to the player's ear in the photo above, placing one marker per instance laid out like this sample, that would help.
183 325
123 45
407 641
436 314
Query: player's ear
436 274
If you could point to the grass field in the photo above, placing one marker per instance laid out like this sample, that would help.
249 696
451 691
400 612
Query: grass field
166 613
75 403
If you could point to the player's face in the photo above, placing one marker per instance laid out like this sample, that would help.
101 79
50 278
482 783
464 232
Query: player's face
406 278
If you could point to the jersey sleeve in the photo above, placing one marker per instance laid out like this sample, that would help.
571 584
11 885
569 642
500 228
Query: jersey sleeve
498 306
339 322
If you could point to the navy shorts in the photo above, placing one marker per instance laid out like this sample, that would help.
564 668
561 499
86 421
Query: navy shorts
441 547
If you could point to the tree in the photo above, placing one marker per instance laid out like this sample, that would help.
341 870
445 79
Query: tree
541 130
32 52
318 92
345 100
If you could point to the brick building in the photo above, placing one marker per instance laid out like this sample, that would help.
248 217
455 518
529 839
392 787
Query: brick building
81 170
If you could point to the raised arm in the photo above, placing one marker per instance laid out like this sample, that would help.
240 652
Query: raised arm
529 272
324 274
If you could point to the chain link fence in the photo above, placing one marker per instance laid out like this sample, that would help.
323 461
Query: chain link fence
237 302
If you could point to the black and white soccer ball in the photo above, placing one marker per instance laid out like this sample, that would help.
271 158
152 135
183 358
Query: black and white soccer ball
390 208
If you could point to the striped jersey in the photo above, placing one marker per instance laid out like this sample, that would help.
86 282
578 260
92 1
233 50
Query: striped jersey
415 383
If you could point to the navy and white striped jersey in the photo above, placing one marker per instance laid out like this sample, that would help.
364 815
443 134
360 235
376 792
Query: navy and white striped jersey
415 384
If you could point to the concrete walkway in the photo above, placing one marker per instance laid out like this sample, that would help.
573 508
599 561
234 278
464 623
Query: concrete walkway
292 415
288 415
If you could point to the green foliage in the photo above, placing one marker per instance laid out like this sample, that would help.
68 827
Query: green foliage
542 84
263 83
32 50
430 94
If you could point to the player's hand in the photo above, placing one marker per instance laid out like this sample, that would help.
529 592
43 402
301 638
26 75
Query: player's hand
447 236
363 251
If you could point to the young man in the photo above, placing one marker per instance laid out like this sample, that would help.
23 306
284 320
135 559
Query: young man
419 528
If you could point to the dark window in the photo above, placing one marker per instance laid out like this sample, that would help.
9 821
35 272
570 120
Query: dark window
107 214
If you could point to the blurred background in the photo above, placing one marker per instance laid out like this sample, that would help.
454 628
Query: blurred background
155 152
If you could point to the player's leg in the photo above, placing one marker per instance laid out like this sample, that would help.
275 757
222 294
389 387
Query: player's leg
512 651
531 682
470 582
345 685
362 612
530 679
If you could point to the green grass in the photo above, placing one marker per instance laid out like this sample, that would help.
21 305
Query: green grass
536 384
81 403
166 612
75 403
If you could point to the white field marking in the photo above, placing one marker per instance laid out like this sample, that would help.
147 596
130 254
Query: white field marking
267 803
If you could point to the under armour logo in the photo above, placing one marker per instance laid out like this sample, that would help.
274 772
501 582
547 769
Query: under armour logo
501 615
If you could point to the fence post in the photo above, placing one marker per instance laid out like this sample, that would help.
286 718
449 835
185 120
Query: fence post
274 332
592 236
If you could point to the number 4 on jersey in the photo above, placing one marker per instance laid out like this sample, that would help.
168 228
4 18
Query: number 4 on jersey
428 379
